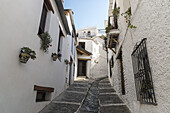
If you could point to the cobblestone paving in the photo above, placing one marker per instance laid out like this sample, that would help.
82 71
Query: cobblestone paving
87 96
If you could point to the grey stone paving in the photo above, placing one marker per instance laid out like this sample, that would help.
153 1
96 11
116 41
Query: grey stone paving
90 96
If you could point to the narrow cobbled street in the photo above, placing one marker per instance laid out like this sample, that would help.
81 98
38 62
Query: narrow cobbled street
87 96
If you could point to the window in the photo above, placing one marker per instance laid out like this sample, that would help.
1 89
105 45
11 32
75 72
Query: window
60 42
43 93
43 96
142 74
112 62
122 73
115 19
89 33
46 7
43 20
82 45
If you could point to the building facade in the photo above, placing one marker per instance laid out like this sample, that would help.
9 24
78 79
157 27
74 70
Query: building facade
139 53
92 57
29 87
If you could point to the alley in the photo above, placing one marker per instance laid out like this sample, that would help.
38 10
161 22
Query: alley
87 96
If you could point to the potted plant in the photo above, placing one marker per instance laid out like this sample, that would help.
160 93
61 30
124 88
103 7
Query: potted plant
45 41
59 55
26 53
66 61
54 56
116 11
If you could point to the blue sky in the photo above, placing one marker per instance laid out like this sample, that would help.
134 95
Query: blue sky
88 13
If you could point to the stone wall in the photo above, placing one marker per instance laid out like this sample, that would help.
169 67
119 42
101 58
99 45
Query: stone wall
152 20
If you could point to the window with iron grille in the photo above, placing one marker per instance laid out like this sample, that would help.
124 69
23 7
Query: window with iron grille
142 74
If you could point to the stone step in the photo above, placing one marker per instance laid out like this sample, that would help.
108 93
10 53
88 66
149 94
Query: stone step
111 90
109 99
60 108
70 97
77 89
114 109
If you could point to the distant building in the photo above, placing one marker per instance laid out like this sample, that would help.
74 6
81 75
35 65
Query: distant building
92 57
139 53
29 87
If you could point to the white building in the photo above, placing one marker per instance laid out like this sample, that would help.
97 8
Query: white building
92 57
139 57
27 88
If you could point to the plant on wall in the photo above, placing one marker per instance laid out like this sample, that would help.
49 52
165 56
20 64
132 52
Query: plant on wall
127 16
26 53
66 61
45 41
55 56
116 11
108 28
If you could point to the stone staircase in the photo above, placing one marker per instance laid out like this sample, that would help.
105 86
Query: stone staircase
87 96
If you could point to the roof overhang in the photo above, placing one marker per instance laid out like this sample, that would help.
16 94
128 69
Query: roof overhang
62 14
83 51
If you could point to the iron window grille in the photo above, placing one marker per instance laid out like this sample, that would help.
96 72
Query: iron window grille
142 74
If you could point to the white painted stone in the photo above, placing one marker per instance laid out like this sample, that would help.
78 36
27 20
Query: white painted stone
153 22
19 27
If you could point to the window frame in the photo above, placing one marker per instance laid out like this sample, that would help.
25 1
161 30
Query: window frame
43 19
142 74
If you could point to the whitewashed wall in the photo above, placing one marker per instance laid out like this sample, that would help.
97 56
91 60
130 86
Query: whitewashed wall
83 32
97 67
152 21
19 27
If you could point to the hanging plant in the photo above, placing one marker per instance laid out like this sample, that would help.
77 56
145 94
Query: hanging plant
127 16
26 53
116 11
108 28
45 41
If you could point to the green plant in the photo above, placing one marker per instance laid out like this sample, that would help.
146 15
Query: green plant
127 16
107 29
28 51
45 41
116 11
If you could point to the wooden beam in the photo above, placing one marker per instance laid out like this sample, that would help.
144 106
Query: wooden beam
83 59
115 40
113 50
82 52
42 88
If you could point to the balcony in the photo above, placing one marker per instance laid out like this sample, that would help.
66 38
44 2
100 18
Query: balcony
114 32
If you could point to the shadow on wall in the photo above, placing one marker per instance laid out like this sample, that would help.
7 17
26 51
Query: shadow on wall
99 68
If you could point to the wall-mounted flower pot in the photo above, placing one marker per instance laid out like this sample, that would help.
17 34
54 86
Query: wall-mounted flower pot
54 56
24 57
66 61
25 54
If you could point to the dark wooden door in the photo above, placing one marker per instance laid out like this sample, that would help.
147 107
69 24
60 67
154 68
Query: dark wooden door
82 67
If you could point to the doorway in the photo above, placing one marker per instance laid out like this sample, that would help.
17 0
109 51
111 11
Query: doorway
82 67
121 72
70 71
